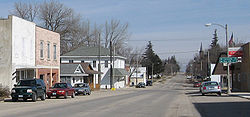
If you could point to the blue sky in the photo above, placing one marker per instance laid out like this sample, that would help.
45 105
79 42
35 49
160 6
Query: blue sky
173 26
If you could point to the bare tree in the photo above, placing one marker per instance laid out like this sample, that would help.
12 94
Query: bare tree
74 31
115 32
54 15
26 11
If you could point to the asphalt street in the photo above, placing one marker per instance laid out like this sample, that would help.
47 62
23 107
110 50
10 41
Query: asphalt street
168 98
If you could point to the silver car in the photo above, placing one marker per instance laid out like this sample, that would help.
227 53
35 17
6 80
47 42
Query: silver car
210 87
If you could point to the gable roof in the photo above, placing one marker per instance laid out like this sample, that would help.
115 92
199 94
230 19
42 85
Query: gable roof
70 68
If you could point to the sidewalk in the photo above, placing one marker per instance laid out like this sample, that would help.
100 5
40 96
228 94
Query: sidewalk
245 95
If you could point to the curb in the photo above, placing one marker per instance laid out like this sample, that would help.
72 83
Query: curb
244 97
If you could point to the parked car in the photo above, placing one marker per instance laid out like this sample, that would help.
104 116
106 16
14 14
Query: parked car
189 77
82 88
141 85
29 89
210 87
61 89
197 84
149 83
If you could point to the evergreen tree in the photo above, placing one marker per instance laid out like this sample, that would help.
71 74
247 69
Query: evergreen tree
151 59
215 49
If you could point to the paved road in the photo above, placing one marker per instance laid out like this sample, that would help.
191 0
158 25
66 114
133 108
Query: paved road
170 98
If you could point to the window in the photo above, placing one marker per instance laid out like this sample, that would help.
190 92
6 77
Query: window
41 49
82 61
54 52
71 61
42 76
106 63
94 64
73 80
48 50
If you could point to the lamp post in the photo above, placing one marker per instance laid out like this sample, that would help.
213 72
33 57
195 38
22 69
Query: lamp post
228 78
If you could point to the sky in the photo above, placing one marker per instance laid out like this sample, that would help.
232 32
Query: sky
175 27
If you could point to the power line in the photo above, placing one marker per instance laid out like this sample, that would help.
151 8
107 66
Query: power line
180 52
171 40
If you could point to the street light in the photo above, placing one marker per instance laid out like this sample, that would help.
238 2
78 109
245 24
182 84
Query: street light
224 27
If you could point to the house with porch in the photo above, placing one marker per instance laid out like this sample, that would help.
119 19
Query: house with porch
90 55
73 73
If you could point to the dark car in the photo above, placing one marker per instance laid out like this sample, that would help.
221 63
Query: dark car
141 85
29 89
61 89
149 83
82 88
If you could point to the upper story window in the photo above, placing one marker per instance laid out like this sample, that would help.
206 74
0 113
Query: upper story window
106 63
71 61
54 46
94 64
82 61
41 49
48 50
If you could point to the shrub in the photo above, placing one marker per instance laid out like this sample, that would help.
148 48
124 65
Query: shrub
4 92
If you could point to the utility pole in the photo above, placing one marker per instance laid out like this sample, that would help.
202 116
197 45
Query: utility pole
209 67
152 73
99 59
228 77
111 69
136 80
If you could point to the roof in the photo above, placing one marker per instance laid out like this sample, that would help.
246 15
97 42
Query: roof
89 51
88 69
68 68
77 68
118 72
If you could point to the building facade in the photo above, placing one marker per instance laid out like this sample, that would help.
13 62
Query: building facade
90 55
138 75
47 56
18 55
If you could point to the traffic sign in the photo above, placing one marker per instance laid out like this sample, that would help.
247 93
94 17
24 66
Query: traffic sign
228 59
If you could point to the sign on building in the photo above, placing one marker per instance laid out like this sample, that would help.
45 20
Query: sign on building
235 52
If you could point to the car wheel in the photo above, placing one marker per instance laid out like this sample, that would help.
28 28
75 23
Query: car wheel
219 93
14 99
202 94
84 93
66 95
89 92
43 96
25 99
57 97
34 97
49 97
73 95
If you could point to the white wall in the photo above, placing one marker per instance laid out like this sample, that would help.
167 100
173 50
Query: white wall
214 77
5 53
23 43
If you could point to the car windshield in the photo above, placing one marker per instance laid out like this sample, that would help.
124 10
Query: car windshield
60 85
26 83
211 84
80 85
